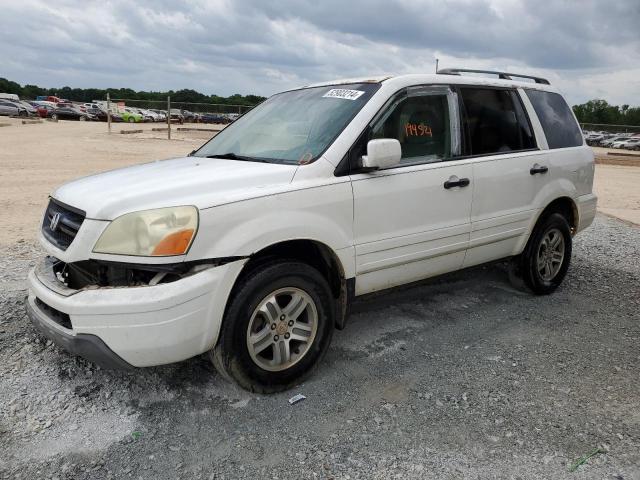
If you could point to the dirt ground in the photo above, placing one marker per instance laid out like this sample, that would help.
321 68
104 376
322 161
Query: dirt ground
615 156
34 159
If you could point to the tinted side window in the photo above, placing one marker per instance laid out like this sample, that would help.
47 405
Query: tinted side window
557 121
495 121
421 125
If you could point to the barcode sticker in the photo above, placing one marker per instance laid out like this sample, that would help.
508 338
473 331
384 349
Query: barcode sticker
344 93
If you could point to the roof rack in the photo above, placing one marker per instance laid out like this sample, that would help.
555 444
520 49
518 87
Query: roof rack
502 75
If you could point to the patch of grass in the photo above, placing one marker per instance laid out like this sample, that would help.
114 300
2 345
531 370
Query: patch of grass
583 459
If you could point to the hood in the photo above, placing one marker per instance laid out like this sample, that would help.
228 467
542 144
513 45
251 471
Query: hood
203 182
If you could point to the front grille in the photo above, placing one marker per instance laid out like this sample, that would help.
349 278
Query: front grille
57 316
64 228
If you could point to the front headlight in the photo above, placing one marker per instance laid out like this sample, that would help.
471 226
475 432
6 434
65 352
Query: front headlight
158 233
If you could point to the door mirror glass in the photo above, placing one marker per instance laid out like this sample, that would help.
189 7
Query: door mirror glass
382 153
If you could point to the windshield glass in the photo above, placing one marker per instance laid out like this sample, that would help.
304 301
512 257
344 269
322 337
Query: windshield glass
293 127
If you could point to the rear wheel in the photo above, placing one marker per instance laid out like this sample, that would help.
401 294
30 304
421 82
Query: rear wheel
277 327
545 260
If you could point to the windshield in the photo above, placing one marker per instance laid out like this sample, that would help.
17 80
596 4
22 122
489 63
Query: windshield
293 127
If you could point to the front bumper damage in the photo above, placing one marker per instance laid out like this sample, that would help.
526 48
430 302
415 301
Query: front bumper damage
122 315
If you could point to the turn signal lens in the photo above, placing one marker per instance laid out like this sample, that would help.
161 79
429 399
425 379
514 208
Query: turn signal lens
174 243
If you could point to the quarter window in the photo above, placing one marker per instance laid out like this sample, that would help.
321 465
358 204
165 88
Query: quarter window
421 124
557 121
495 121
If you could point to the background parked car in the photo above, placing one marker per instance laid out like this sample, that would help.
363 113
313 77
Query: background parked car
70 113
188 116
23 109
8 108
176 116
130 115
162 115
214 118
30 109
44 110
629 144
615 138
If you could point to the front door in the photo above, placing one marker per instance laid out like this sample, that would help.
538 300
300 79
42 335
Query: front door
412 221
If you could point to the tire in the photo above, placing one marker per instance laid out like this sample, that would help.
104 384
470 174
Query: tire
258 368
83 118
54 117
546 258
22 113
131 120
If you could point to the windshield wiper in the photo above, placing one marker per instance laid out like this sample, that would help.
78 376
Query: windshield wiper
233 156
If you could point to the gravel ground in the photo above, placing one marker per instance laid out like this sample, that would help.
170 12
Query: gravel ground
463 377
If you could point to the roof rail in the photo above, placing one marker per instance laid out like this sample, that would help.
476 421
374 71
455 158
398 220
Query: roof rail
502 75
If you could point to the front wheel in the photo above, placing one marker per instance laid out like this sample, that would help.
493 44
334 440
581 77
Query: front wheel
546 258
277 327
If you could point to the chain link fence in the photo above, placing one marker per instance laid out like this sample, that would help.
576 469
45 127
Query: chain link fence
604 127
169 113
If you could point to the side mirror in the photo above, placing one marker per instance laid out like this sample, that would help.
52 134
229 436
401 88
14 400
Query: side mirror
382 153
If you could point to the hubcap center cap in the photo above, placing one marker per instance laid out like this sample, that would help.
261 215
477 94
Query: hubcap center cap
281 328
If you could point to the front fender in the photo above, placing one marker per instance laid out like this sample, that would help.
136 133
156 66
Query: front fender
320 213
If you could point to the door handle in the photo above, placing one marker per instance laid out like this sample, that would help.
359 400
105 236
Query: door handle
456 182
538 169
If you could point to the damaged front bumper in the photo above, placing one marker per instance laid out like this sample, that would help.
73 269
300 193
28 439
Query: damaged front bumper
142 325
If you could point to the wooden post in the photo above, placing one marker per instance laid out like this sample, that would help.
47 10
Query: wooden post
109 112
168 117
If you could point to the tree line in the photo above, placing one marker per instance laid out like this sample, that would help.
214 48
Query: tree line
90 94
599 111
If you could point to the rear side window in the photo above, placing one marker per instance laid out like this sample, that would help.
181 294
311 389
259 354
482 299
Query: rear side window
495 121
557 121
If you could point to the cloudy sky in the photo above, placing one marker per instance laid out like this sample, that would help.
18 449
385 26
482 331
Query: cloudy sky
590 49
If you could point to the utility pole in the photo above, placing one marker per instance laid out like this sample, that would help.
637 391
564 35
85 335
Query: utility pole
437 65
168 117
109 112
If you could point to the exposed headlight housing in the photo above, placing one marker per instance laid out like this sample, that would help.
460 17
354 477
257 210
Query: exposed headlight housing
161 232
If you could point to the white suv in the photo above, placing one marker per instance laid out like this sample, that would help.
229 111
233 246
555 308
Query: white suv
252 247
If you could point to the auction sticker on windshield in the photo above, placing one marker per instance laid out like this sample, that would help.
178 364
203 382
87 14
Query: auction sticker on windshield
343 93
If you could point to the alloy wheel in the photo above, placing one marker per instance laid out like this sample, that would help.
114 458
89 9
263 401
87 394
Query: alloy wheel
282 329
550 254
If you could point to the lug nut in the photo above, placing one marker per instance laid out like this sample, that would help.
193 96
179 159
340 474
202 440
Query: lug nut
291 323
286 335
276 338
273 326
281 317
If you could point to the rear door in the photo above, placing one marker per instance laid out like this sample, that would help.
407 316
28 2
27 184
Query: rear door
411 221
508 169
